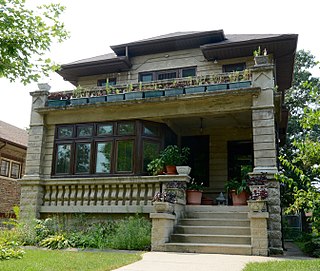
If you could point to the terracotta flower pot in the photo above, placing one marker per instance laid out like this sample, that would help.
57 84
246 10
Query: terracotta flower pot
171 170
194 197
240 199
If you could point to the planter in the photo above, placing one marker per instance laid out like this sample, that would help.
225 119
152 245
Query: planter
57 103
194 197
257 205
240 199
171 170
153 93
215 87
240 84
261 60
173 92
98 99
134 95
198 89
79 101
163 207
183 170
115 97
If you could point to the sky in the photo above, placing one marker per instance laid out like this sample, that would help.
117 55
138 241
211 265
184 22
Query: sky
95 25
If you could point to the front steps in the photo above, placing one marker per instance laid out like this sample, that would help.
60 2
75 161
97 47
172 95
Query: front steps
213 229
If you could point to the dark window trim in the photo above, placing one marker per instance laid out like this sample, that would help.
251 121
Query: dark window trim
10 163
241 66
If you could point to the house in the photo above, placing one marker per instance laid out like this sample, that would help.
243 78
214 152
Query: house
203 90
13 150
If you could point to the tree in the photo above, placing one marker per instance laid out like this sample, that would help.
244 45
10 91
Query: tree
26 35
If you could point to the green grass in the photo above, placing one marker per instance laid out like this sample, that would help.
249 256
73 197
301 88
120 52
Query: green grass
52 260
292 265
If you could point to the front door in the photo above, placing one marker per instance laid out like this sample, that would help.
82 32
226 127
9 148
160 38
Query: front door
199 158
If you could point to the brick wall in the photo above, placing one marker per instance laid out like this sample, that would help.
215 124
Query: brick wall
9 194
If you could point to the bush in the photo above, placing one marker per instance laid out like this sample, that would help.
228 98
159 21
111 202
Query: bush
310 244
132 233
55 242
10 249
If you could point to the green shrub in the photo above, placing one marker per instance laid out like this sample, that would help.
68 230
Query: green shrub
10 249
132 233
55 242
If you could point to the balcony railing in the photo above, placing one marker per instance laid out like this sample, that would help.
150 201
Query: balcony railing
172 87
104 195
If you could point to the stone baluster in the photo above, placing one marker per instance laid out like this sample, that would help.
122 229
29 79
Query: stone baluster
59 195
47 196
134 195
86 198
73 195
99 195
79 198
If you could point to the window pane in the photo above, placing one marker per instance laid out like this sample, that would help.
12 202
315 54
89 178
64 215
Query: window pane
150 151
83 157
146 77
188 72
126 128
112 81
65 132
125 156
15 171
167 75
63 158
103 158
105 129
150 130
101 82
84 131
234 67
5 168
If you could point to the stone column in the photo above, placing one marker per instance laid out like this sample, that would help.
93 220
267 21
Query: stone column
162 228
264 147
31 183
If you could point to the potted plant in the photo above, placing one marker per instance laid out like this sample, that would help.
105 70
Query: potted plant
181 164
79 96
164 202
259 193
239 191
194 192
56 99
172 156
155 167
260 58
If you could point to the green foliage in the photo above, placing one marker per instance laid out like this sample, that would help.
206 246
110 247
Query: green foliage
26 35
10 250
132 233
173 156
237 185
194 185
155 167
58 241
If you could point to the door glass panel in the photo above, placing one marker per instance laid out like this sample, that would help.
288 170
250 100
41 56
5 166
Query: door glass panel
125 156
103 157
63 158
83 157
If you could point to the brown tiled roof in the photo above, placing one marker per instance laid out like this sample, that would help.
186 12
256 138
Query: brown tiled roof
13 134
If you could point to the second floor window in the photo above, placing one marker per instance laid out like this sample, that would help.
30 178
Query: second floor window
167 74
103 82
234 67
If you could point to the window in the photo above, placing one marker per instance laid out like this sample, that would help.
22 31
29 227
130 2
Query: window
234 67
103 82
10 169
167 74
110 148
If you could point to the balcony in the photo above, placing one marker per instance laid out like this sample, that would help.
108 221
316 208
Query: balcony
154 89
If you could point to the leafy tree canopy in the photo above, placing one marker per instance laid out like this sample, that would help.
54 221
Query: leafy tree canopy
25 36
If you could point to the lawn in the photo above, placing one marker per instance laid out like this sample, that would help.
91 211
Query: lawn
50 260
290 265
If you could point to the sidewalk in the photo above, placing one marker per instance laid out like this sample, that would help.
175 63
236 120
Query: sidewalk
159 261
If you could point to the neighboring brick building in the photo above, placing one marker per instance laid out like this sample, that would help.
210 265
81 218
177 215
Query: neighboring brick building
13 149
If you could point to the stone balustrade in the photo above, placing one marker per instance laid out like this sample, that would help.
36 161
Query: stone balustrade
130 194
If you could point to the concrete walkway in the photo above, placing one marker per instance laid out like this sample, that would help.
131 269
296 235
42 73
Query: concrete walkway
159 261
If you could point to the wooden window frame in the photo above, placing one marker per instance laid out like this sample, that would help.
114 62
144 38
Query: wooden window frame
10 163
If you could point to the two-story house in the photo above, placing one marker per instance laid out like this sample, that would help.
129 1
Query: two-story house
203 90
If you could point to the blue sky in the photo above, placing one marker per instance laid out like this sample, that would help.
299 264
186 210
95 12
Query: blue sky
97 24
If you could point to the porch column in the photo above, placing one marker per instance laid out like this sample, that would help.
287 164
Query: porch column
264 147
31 183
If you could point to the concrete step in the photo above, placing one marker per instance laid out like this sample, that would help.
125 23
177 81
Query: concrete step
214 230
209 248
229 216
216 208
214 222
210 239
